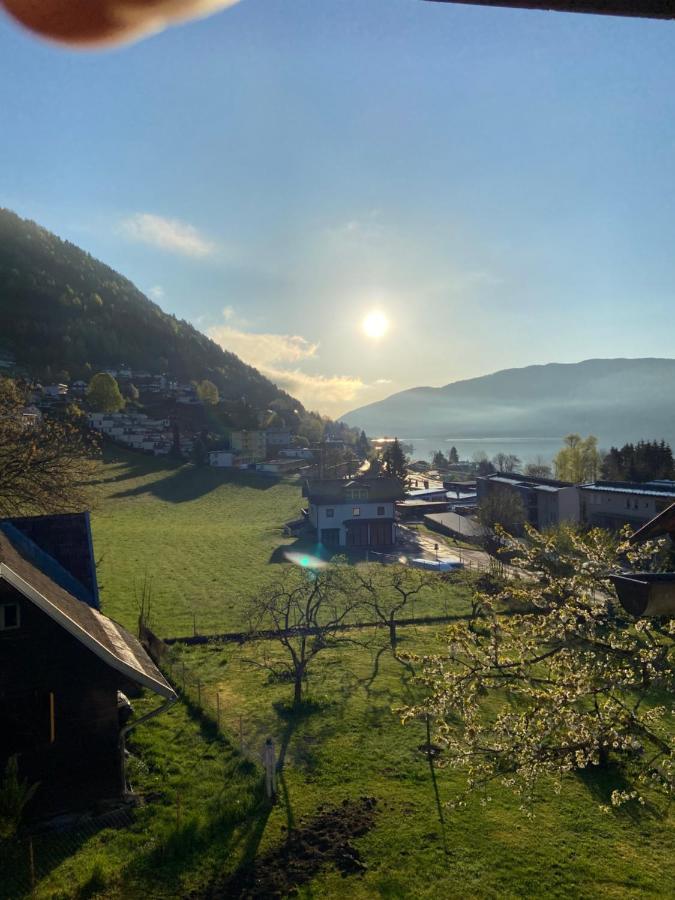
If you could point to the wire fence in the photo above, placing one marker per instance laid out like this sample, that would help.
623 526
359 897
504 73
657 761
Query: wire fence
27 859
210 701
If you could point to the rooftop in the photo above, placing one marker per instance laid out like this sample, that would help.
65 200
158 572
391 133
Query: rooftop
643 488
529 481
42 580
332 490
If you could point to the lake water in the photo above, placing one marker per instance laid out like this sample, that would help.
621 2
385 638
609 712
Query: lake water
527 449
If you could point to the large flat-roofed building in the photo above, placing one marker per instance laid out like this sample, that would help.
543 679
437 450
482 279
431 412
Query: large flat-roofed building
547 502
611 504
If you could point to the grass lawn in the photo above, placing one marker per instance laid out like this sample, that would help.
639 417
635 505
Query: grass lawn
206 539
205 802
202 537
349 743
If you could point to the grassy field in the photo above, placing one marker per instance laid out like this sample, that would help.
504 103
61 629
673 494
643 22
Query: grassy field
202 537
206 540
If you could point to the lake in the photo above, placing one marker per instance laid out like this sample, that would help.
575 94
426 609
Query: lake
527 449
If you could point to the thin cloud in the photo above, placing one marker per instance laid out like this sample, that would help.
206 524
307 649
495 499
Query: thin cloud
167 234
277 356
329 394
383 381
262 350
156 292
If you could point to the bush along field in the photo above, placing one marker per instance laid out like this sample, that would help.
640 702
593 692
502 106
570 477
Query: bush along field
363 803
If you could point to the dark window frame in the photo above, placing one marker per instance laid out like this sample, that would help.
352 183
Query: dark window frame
15 619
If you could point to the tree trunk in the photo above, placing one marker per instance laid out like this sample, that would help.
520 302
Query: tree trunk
297 693
392 633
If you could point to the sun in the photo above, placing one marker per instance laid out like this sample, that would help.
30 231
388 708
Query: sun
375 325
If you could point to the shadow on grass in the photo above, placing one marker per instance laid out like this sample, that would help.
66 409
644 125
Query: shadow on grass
190 482
602 781
218 830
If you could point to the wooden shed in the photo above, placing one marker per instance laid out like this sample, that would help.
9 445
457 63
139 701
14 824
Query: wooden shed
62 664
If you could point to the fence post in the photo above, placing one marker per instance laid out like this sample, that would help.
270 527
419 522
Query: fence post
270 768
31 863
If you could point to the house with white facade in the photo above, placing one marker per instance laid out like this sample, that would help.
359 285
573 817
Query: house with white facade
353 513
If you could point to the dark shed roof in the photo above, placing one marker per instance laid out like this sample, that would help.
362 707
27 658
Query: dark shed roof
646 9
23 566
66 539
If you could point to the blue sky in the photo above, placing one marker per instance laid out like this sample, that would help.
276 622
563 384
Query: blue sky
500 183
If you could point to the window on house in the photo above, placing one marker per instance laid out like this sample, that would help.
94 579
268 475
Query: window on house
330 513
9 616
356 511
357 494
380 510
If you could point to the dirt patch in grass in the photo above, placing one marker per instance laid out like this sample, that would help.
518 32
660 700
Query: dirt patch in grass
324 840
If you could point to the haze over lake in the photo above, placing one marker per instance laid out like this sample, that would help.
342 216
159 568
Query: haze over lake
527 449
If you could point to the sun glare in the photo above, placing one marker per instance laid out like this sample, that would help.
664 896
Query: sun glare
375 324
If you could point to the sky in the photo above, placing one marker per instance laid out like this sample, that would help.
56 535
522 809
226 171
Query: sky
499 184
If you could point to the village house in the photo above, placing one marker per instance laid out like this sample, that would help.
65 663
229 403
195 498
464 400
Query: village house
78 388
612 504
249 443
297 453
276 438
221 459
31 416
353 513
62 664
139 432
546 501
55 391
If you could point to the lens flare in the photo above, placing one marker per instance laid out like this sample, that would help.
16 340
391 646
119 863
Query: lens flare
305 560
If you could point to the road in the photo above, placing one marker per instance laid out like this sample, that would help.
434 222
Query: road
421 544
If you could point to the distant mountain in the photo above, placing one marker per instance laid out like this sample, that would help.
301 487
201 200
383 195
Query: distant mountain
615 399
64 313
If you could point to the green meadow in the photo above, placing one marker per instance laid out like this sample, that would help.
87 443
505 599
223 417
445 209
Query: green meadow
201 539
204 540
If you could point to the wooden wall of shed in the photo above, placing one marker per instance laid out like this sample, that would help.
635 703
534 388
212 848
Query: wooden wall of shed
82 763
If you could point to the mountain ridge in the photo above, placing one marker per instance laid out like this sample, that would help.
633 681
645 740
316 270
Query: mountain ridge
615 397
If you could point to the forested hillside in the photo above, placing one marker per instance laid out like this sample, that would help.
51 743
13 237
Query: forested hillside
65 314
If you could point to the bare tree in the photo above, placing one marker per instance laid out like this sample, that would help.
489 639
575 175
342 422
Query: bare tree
305 611
538 469
506 462
44 467
388 590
